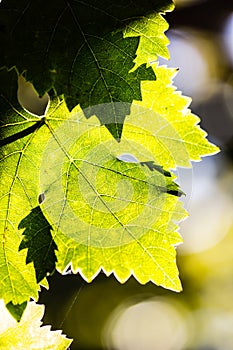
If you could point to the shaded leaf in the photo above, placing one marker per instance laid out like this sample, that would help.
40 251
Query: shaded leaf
16 310
40 244
94 67
152 166
107 80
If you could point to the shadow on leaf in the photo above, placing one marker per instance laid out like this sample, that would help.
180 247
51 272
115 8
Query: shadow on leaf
16 310
39 242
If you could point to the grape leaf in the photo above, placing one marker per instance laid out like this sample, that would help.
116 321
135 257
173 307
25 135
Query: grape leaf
28 333
18 193
153 42
109 207
106 213
162 128
94 67
110 214
24 159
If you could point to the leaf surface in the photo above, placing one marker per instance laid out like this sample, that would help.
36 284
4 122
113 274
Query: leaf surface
162 128
109 207
28 333
112 206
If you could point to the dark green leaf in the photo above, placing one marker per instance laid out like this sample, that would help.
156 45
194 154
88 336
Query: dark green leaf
39 241
16 310
78 49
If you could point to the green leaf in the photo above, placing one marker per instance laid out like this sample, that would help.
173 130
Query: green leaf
112 206
18 192
177 137
102 217
153 42
94 66
107 229
79 174
150 257
107 80
28 333
108 213
40 244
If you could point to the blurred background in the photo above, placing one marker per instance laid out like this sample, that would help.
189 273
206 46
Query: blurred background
107 315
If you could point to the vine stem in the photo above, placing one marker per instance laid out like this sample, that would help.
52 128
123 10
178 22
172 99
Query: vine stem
71 305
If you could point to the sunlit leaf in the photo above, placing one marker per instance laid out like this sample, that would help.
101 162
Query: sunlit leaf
177 138
17 280
28 333
116 215
112 206
153 42
162 128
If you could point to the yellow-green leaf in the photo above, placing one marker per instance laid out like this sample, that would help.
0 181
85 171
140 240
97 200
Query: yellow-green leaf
112 205
177 138
153 42
28 333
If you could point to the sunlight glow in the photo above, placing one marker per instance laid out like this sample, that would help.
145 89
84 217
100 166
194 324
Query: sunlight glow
187 2
209 208
228 37
151 324
197 68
